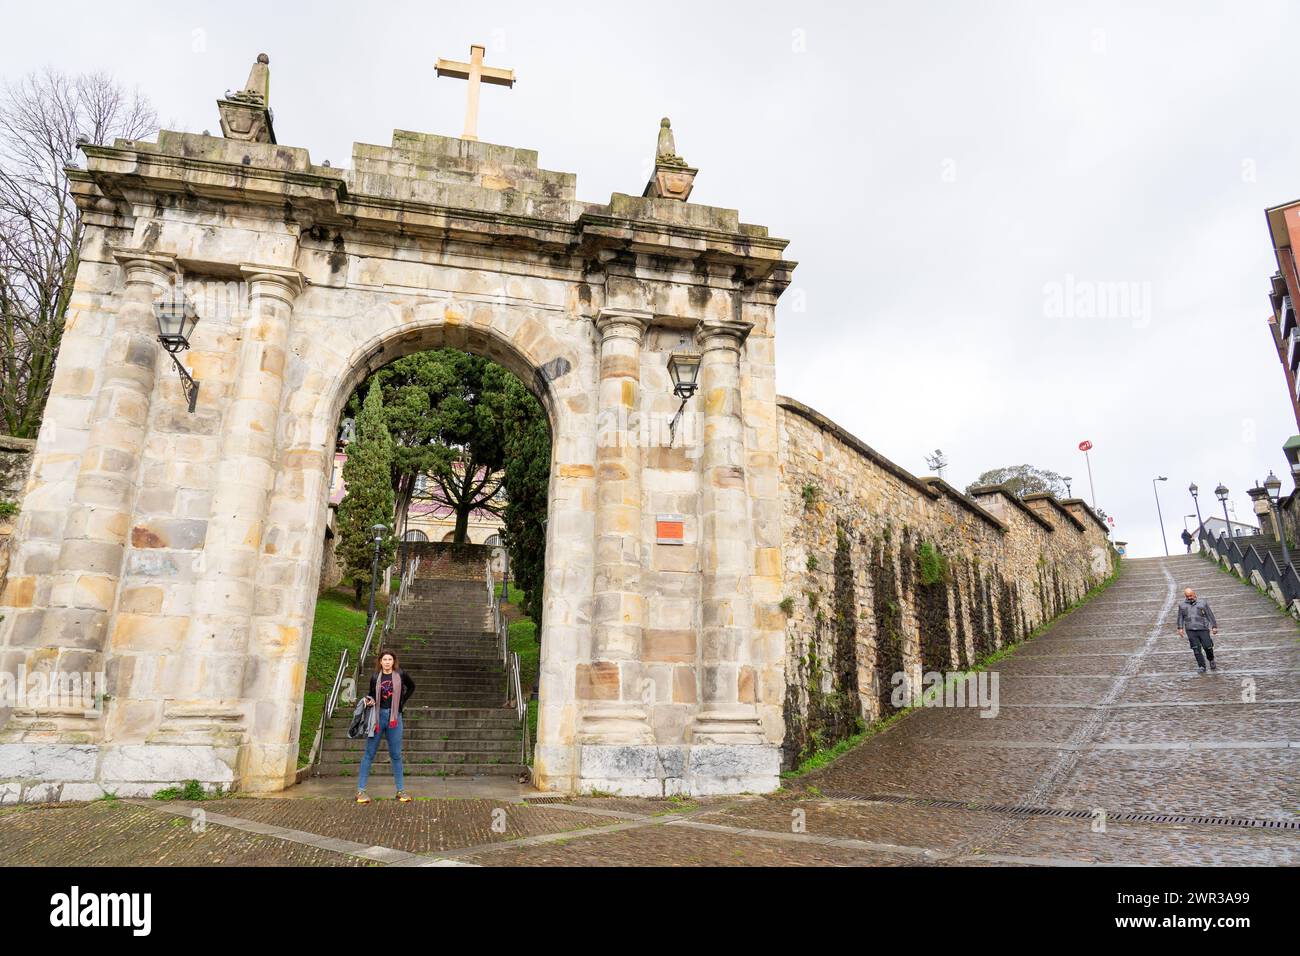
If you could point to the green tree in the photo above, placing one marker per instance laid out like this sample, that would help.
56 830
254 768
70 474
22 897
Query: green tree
527 483
443 408
1022 480
369 499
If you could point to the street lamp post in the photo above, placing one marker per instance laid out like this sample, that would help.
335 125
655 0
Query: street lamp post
1200 525
1155 491
1273 485
1221 493
1067 479
378 530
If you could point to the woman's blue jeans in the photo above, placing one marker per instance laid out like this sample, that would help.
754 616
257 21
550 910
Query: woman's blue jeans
394 737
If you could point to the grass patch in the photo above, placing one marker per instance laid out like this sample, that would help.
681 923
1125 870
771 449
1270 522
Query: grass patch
191 790
337 625
523 641
828 755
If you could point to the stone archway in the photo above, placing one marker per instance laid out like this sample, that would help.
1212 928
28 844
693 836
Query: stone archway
515 337
176 553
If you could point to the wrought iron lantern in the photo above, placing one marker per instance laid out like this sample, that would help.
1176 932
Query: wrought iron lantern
684 369
1221 493
1273 485
176 321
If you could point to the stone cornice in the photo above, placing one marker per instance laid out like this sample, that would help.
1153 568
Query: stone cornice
283 283
1087 510
1056 506
1011 496
629 322
162 264
230 171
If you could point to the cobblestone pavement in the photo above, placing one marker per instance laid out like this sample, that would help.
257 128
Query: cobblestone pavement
1108 748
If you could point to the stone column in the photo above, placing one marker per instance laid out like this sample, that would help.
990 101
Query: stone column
84 584
206 691
726 544
613 712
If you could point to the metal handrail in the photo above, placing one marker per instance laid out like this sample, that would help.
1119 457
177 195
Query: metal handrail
510 661
521 706
332 701
365 648
327 711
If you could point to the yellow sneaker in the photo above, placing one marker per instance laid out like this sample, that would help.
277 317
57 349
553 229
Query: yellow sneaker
362 797
403 797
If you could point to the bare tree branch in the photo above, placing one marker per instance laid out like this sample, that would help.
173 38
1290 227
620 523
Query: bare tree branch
42 116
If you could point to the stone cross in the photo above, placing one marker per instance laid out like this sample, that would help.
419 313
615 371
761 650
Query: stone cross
475 72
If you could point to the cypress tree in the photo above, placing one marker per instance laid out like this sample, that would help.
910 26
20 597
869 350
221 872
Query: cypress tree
367 473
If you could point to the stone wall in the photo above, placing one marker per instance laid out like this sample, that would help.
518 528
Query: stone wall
15 463
888 573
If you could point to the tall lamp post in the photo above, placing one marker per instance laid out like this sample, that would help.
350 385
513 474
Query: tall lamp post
1200 525
378 530
1067 479
1273 485
1156 491
1221 493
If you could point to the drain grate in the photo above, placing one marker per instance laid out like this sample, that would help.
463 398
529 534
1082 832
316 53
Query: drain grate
1027 811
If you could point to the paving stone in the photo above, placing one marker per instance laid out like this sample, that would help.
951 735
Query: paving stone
118 834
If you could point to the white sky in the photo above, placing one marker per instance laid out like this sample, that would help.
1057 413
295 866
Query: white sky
941 169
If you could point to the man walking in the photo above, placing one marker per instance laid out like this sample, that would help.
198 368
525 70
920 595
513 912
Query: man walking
1196 623
1187 540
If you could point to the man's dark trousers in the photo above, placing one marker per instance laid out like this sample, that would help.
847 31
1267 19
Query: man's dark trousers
1199 640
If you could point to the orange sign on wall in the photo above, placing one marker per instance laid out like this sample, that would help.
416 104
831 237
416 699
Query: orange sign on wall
670 529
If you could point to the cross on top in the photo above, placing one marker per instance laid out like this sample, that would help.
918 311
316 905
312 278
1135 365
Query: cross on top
475 72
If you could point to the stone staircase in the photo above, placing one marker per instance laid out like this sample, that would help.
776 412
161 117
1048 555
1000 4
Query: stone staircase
457 723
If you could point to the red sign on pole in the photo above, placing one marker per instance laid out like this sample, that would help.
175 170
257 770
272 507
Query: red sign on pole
1085 446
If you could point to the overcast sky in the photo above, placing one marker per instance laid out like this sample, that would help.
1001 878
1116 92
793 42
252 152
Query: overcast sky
968 188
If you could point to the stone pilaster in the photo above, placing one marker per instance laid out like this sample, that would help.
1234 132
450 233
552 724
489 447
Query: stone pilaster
207 688
613 711
85 580
726 544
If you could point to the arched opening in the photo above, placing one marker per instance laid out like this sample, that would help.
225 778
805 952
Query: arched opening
456 651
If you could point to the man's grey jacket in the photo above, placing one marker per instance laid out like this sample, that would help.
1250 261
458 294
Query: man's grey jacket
1195 617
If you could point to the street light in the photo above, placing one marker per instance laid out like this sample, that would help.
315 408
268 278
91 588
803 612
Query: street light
1200 525
1273 485
1156 492
176 321
1067 479
378 530
1221 493
684 369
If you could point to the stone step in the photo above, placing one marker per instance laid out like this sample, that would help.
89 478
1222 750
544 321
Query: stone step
430 745
432 770
338 758
430 731
466 726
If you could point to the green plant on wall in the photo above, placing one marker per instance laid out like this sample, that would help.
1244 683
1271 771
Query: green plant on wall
933 565
810 495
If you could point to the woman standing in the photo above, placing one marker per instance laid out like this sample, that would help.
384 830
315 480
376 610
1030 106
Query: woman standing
390 689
